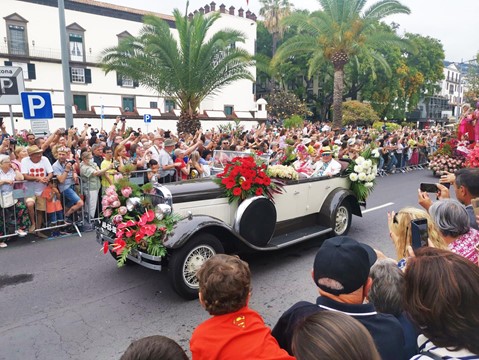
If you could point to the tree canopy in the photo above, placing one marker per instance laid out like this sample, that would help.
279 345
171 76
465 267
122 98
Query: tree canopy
341 31
195 64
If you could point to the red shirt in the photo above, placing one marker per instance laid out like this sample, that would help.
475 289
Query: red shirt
241 335
181 175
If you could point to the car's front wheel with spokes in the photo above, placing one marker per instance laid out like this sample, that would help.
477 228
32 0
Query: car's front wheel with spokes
186 261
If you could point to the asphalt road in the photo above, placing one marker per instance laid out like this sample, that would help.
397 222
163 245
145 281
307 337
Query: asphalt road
64 299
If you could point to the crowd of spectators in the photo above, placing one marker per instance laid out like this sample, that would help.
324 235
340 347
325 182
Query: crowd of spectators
96 156
421 305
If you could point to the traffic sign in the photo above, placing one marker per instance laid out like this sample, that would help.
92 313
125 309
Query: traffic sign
147 118
37 105
11 85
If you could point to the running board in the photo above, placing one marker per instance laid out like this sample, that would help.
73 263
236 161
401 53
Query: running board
297 236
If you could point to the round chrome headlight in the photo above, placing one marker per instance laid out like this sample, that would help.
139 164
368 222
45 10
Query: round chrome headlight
132 203
162 210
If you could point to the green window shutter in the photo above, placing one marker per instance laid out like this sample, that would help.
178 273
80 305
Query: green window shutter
32 73
8 63
87 76
70 73
135 83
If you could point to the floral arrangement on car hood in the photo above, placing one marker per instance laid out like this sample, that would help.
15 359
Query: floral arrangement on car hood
137 226
282 172
362 173
245 177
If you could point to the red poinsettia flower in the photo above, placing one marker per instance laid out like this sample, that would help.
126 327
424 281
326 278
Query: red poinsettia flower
118 246
246 185
237 191
259 192
106 247
147 217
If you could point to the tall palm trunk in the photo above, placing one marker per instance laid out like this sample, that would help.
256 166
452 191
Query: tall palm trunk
338 97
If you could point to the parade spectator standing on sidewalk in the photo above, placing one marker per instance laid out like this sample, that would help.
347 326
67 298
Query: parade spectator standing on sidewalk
90 174
235 331
67 177
53 205
167 165
341 272
38 171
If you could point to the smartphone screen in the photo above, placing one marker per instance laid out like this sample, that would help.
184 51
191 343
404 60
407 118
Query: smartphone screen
419 233
475 205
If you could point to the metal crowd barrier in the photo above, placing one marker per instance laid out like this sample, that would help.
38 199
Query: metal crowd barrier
16 219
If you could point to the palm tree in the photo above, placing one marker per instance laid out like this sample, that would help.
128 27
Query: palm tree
188 67
273 12
340 32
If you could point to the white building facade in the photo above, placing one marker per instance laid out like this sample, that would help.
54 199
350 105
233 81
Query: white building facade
31 40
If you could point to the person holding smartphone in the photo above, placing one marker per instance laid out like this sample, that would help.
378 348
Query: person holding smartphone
400 231
466 188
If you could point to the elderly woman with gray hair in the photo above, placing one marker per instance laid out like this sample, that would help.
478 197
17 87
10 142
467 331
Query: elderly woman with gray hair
13 215
452 221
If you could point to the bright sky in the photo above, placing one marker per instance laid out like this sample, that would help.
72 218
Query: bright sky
452 22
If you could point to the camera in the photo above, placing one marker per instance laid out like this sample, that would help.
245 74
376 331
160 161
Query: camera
71 162
13 141
123 118
136 133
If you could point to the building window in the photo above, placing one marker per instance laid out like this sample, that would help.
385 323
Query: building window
126 81
78 75
169 105
76 47
153 105
80 101
229 110
17 41
128 104
29 72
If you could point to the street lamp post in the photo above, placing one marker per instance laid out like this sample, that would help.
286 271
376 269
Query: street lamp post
67 93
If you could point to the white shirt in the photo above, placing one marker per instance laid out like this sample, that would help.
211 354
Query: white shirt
39 169
322 169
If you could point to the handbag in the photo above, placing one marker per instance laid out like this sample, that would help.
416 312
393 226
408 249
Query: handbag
7 200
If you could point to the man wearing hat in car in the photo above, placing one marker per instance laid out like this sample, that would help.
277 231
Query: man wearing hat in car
37 171
167 165
341 273
326 166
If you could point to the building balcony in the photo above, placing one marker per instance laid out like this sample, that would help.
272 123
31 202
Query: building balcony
43 54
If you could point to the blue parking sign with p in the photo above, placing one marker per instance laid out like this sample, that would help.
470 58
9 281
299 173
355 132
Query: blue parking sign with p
147 118
37 105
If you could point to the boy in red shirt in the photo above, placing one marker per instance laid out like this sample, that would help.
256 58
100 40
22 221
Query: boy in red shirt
235 332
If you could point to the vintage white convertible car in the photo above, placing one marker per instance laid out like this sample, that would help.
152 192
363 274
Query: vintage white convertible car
307 208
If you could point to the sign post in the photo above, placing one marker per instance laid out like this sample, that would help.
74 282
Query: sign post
37 106
147 120
11 85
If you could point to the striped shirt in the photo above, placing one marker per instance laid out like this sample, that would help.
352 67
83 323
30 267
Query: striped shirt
429 351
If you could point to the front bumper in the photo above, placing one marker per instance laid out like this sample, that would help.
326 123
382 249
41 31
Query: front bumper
104 232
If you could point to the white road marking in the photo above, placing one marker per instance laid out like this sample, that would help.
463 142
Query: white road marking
378 207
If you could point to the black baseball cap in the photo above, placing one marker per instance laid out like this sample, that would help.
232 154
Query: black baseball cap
345 260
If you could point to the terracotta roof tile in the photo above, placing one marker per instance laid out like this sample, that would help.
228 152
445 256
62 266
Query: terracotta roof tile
123 8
